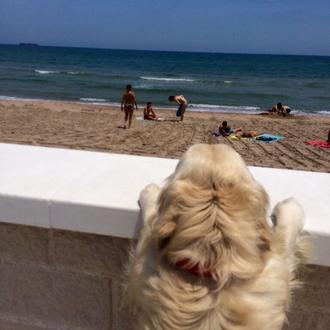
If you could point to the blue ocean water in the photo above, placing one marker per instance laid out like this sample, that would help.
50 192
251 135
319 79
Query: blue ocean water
210 81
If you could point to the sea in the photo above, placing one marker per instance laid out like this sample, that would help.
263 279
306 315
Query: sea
216 82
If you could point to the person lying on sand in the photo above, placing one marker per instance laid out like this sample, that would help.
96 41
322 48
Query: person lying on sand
278 109
128 102
226 130
238 133
183 104
248 134
148 112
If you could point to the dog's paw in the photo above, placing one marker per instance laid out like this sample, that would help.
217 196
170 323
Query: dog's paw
149 196
288 213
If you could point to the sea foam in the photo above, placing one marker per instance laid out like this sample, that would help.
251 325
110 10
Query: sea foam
167 79
58 72
91 99
222 108
324 112
46 71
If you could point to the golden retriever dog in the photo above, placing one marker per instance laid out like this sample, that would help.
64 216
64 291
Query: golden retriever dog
208 257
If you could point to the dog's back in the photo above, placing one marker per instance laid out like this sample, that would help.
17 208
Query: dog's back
207 258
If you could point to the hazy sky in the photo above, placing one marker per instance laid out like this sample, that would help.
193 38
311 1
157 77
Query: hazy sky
244 26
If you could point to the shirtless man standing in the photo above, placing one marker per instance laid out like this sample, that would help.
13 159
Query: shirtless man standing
127 105
183 104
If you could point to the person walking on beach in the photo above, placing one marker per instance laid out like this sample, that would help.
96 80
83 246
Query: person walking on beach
183 104
128 102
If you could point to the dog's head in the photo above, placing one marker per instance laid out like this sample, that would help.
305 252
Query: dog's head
212 215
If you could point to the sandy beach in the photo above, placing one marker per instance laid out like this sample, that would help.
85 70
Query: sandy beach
94 127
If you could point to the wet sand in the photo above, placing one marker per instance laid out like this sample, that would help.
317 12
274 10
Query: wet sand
94 127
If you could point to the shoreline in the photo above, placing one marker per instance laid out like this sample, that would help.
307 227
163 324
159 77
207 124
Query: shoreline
94 127
198 108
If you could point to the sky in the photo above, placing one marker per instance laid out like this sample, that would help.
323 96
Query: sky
230 26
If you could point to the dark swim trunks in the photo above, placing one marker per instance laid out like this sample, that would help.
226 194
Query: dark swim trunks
181 110
129 107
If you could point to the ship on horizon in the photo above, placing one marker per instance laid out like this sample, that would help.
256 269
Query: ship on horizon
28 44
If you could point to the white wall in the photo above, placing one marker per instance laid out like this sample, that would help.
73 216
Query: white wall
97 192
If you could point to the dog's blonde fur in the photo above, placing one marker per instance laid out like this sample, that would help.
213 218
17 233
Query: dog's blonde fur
212 213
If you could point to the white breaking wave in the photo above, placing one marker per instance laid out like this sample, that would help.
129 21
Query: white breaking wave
57 72
222 108
324 112
28 99
167 79
91 99
144 86
11 98
208 106
46 71
74 72
116 104
227 81
96 101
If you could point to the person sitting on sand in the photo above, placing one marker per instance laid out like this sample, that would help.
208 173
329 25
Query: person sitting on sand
128 103
183 104
278 109
281 109
148 112
226 130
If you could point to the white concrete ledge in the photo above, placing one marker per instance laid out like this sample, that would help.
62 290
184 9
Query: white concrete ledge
97 192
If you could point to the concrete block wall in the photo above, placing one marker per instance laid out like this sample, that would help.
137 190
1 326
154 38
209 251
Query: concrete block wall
311 303
55 279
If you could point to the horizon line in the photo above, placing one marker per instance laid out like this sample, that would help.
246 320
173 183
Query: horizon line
157 50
